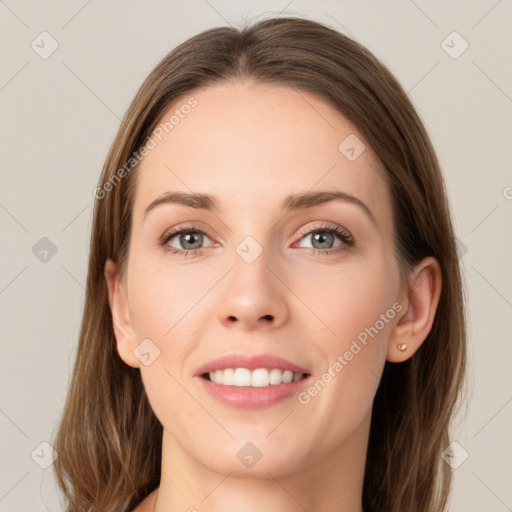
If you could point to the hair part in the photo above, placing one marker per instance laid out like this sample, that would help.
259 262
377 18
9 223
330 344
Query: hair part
109 440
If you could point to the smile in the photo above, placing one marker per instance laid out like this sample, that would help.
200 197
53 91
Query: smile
257 378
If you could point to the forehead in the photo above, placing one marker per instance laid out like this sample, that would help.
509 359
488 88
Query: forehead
252 144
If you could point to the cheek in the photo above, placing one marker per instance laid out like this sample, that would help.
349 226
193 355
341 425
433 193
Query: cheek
168 307
353 307
344 301
166 304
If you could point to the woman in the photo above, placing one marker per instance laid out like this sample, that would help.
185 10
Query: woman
274 314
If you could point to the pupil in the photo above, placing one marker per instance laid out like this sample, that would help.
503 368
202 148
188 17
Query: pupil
188 238
322 237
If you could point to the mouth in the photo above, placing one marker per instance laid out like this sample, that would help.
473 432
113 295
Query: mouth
256 378
254 389
252 381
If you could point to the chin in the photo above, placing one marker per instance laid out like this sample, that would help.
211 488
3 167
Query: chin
255 459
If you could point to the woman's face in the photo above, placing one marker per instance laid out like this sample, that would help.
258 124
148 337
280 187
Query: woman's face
264 278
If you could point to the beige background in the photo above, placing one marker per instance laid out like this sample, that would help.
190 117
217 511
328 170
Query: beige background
59 116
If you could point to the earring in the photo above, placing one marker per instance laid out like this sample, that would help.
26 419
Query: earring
402 347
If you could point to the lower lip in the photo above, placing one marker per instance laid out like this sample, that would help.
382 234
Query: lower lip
248 397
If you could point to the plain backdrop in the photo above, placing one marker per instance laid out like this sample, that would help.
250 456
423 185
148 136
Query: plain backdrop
69 70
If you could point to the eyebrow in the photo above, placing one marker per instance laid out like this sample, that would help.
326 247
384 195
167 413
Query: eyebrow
292 202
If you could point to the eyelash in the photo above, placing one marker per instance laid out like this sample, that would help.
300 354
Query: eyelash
344 236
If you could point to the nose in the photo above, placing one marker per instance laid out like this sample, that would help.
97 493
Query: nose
253 295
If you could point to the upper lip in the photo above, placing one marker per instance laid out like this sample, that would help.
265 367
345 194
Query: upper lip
250 362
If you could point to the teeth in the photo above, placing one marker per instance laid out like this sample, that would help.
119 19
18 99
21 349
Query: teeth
258 378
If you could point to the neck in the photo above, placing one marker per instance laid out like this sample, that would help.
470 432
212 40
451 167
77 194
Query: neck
327 481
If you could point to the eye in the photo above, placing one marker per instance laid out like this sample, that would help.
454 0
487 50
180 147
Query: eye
185 240
189 240
323 239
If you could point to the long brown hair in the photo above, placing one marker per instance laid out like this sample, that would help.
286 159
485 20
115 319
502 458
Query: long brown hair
109 440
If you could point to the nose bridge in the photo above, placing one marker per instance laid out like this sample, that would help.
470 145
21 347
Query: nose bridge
251 263
256 250
250 236
252 291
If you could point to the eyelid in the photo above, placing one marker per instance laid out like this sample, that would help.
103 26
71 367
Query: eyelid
180 228
322 224
347 239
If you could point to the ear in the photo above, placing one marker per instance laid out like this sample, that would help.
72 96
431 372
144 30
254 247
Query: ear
123 329
419 303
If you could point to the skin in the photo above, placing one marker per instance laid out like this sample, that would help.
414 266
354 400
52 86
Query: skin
250 145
